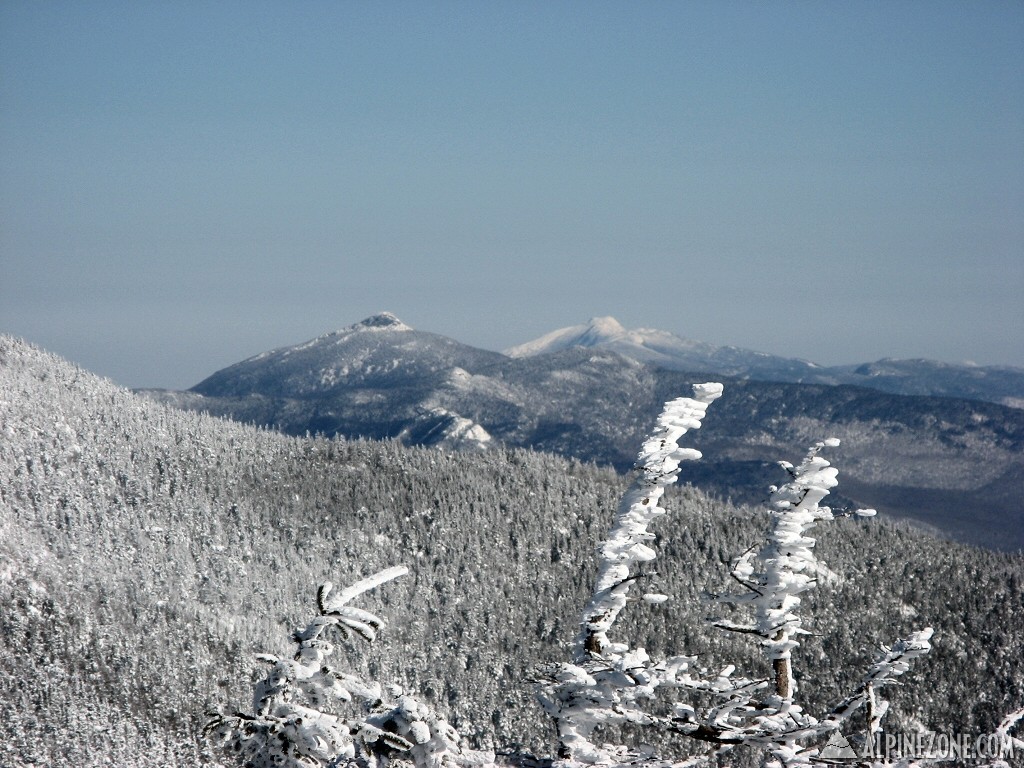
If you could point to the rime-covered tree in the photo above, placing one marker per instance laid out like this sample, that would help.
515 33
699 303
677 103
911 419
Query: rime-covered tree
299 717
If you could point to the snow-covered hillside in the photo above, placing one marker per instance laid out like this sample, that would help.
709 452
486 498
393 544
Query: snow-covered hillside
147 555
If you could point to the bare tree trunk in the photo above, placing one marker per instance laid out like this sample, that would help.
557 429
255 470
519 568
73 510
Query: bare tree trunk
783 674
783 679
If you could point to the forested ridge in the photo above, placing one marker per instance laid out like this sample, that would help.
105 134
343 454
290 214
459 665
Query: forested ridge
146 555
924 458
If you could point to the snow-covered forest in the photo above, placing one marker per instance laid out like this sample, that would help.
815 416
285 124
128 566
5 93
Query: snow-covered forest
147 555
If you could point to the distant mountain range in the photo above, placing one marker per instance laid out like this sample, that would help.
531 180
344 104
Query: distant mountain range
591 392
997 384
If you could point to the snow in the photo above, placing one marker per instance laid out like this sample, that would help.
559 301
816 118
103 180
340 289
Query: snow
599 330
360 587
464 433
453 431
464 382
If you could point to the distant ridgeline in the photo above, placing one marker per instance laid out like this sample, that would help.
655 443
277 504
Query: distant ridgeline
590 393
147 553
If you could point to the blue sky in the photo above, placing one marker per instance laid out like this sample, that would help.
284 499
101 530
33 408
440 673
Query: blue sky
186 184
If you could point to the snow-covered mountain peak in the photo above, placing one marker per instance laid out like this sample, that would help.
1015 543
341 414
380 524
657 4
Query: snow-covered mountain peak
599 330
385 321
380 348
664 349
603 329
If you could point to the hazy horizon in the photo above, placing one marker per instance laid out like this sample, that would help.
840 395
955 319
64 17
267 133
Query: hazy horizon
186 185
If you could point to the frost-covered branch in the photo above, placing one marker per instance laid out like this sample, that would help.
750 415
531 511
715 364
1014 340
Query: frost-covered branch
893 663
1011 745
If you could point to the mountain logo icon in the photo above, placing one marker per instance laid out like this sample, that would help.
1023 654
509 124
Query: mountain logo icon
837 748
